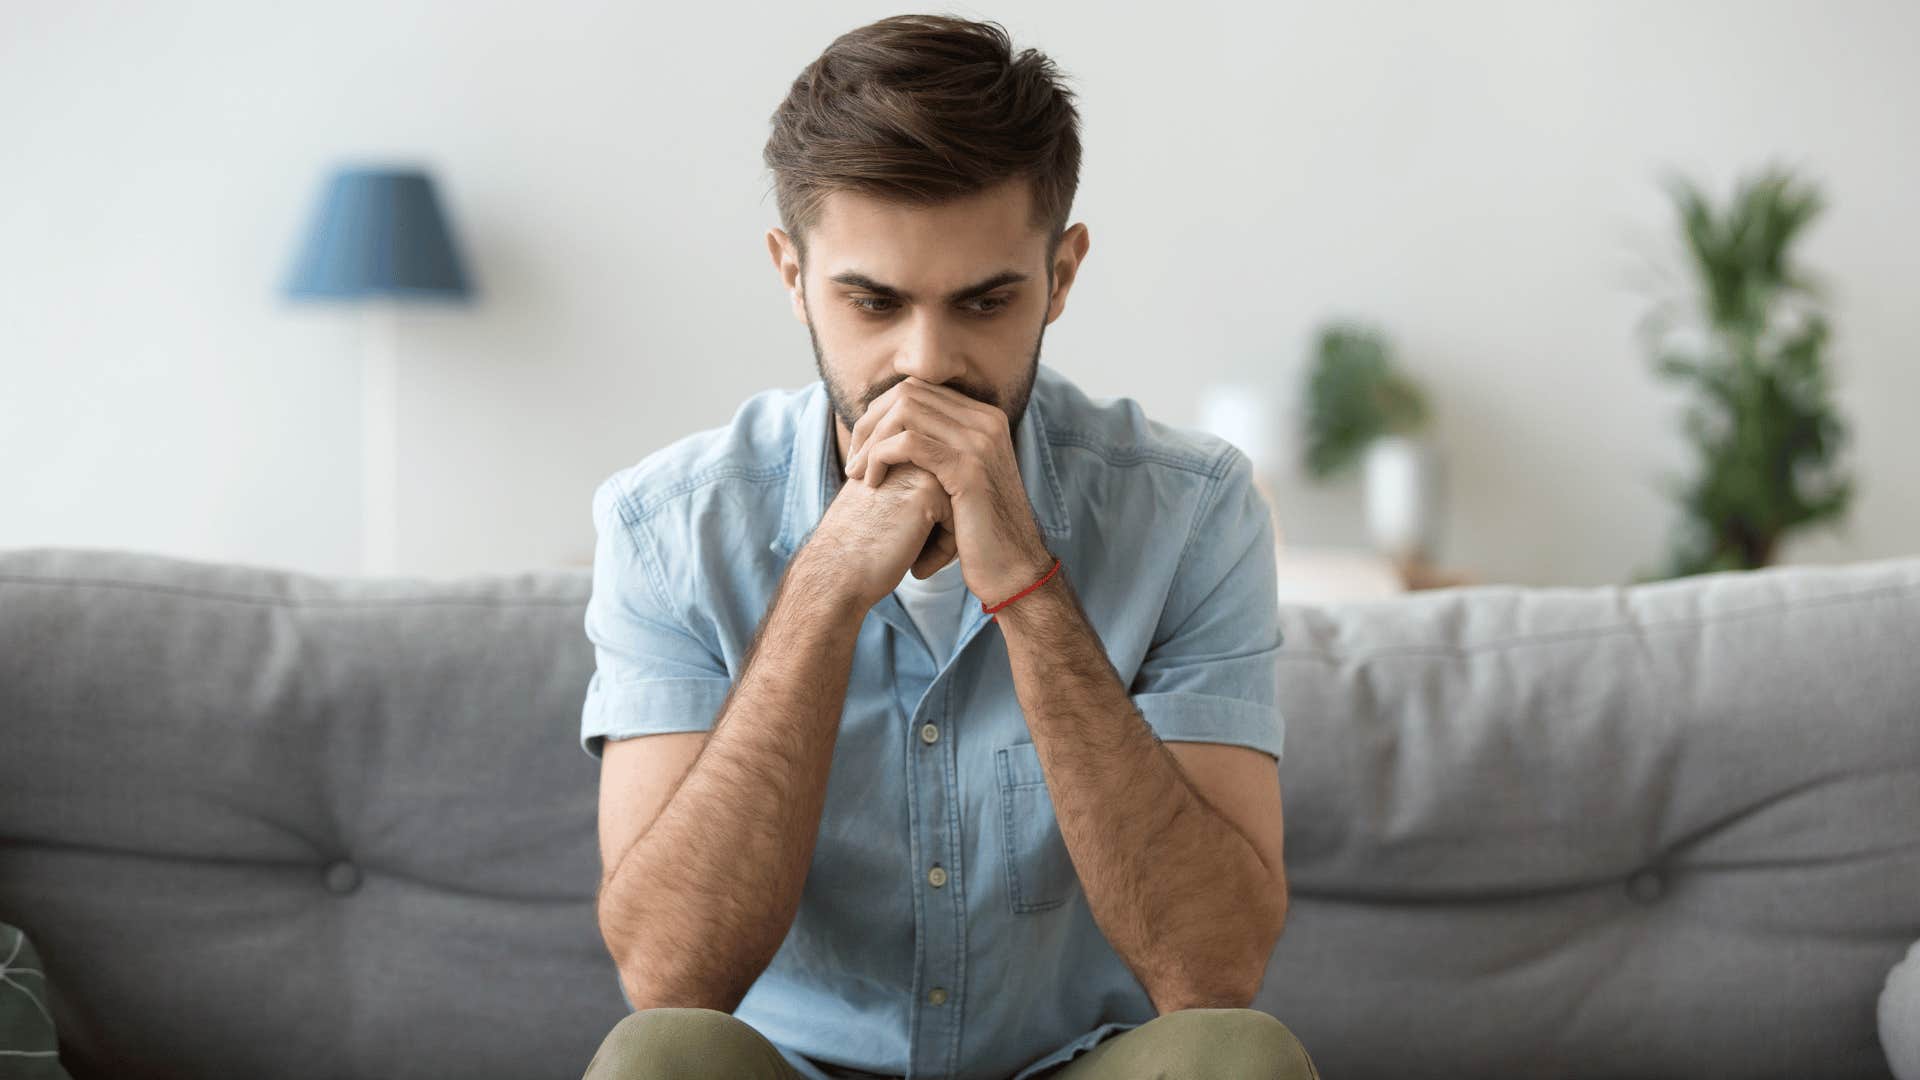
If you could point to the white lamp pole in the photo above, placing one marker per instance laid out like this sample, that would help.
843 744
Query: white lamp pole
379 435
379 238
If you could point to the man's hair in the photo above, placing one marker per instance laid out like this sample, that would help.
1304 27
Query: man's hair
923 109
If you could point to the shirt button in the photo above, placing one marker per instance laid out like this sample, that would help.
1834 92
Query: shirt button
936 877
937 996
929 733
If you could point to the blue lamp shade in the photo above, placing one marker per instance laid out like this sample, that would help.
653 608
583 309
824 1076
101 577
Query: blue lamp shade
379 232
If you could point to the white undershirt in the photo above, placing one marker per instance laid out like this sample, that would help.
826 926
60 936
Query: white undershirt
936 606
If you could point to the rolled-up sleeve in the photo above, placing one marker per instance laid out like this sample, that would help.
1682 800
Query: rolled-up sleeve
651 674
1211 674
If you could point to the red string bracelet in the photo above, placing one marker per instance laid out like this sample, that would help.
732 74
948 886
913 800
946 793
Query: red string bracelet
1021 593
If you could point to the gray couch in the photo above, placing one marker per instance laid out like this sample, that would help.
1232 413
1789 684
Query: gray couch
269 824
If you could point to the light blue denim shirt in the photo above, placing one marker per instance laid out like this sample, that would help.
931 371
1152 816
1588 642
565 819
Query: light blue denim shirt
994 967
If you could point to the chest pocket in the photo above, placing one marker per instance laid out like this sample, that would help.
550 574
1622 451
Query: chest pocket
1040 873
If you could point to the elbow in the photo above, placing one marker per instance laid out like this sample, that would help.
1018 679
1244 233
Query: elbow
1254 971
1235 982
649 980
645 989
631 989
1275 927
635 986
1229 986
1215 995
1240 992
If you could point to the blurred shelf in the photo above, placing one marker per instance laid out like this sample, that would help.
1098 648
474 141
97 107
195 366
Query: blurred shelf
1314 575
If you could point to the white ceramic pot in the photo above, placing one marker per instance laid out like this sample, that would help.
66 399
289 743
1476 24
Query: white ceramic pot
1405 482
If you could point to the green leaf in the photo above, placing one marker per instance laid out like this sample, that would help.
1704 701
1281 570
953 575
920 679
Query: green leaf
1763 429
1353 396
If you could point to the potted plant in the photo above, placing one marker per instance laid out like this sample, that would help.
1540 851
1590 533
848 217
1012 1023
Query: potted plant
1750 337
1361 410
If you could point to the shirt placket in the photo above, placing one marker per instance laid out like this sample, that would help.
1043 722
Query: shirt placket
933 803
937 931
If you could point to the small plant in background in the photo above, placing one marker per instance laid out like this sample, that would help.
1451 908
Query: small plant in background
1354 395
1360 408
1750 339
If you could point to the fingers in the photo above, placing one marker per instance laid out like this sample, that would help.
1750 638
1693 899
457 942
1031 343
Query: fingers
863 429
908 404
912 447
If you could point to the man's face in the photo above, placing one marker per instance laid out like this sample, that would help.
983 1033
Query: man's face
958 294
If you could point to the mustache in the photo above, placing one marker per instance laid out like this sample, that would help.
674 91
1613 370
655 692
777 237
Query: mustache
984 397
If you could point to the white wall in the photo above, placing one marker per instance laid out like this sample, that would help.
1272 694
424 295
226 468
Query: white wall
1479 176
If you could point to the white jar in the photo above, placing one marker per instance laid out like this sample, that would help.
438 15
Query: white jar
1405 495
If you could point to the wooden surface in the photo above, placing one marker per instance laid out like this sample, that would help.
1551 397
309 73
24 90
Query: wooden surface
1311 574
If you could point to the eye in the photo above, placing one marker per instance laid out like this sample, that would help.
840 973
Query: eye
866 304
881 305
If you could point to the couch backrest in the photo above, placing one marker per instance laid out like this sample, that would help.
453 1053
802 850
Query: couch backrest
1669 829
271 824
268 823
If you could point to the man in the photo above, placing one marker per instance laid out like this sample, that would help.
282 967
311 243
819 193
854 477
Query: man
885 665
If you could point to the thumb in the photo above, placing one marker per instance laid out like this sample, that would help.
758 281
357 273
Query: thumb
942 546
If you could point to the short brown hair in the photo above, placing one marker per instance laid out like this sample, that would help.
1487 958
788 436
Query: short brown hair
922 109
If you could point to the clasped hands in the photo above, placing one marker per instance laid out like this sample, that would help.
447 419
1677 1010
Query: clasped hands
968 446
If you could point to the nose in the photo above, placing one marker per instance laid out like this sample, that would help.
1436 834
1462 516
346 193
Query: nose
930 351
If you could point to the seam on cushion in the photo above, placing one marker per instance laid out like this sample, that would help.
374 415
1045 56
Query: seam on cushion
1698 834
282 601
1594 632
1668 758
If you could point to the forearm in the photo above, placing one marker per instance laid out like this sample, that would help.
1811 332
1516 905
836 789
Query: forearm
698 905
1180 893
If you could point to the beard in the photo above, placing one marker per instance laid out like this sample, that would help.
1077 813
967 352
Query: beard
1012 401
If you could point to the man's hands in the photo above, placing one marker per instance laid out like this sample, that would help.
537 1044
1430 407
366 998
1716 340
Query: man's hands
921 428
872 534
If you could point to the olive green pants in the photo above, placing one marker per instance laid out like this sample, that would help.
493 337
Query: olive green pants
1191 1044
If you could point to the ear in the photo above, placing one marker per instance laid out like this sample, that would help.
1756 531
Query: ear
1067 256
786 261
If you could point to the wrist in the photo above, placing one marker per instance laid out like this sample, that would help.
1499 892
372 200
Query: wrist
1048 580
819 581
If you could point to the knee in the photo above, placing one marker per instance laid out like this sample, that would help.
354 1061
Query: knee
1234 1043
677 1042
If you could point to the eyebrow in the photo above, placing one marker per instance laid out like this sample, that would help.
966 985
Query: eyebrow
861 281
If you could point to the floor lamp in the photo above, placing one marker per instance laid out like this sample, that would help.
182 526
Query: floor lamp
378 239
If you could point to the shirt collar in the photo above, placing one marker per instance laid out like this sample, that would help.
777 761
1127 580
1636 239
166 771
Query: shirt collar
810 487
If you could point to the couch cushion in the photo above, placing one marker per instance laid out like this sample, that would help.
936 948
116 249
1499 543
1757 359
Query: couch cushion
264 823
1657 830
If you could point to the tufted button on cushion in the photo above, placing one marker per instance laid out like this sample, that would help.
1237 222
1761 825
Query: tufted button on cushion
1646 886
343 877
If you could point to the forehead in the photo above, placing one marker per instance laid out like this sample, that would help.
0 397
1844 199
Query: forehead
949 243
